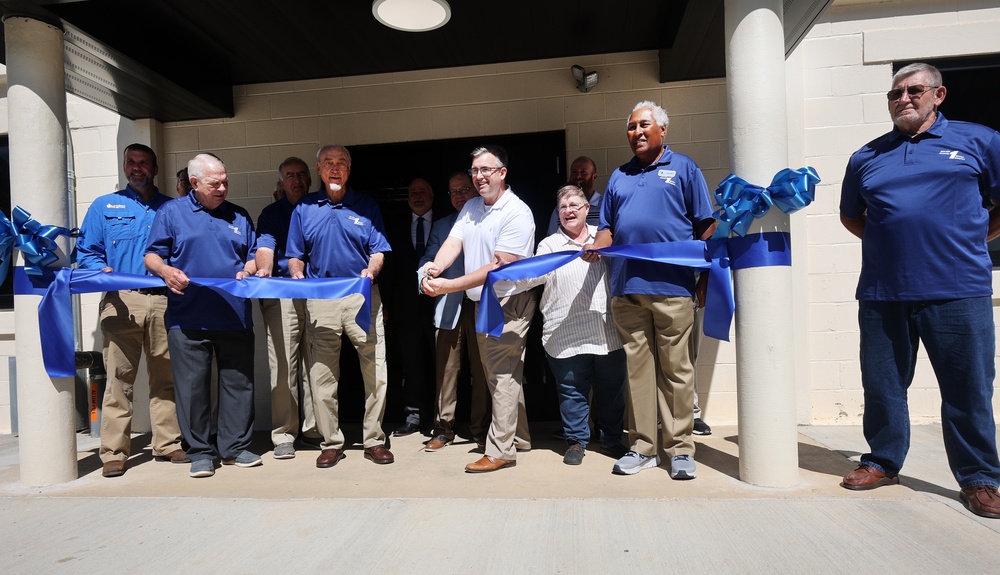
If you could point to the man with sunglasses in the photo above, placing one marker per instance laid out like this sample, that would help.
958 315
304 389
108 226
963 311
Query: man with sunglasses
920 198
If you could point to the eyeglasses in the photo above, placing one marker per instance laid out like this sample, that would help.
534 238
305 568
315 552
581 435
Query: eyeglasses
914 92
460 191
486 172
571 207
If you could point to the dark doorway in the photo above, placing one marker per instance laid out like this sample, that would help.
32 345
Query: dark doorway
7 289
537 170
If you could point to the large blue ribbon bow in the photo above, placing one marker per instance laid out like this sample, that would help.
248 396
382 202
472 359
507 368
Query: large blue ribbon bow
741 202
55 312
711 255
36 241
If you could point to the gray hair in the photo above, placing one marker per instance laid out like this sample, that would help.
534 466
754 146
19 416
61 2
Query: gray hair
659 114
571 190
198 164
497 152
319 152
916 68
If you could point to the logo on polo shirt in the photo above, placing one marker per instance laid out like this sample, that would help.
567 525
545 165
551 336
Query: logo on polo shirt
115 206
235 229
667 176
952 154
357 220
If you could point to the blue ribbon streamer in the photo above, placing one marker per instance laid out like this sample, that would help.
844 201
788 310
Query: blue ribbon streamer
741 202
712 255
55 315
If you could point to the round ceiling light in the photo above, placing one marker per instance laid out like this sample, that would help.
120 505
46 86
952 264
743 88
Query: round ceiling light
412 15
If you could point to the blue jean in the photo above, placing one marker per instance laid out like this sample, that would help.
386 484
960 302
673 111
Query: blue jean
960 341
575 376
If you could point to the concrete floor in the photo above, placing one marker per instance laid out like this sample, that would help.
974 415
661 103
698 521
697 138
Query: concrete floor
422 514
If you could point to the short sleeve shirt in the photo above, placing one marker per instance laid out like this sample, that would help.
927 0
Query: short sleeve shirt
272 232
661 202
506 226
336 239
209 244
923 201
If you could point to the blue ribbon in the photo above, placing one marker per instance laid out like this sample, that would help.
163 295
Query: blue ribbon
741 202
55 315
712 255
36 241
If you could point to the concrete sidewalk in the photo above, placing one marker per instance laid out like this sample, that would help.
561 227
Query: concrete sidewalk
422 514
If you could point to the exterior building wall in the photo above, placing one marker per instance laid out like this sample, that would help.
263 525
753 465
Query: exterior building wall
835 82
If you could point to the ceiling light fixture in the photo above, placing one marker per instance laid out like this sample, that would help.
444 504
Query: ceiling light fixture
585 81
412 15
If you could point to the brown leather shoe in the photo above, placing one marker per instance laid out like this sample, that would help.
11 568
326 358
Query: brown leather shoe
175 456
487 464
437 443
982 500
379 454
329 458
866 477
114 468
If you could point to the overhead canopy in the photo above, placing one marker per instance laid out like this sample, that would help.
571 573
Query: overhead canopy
179 59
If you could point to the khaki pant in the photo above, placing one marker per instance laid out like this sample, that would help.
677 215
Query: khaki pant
503 360
655 331
132 322
328 319
449 363
285 322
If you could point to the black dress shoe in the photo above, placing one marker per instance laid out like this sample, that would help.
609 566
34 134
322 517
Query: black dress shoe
407 429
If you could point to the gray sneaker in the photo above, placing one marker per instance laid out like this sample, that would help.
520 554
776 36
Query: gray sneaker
632 463
244 459
682 467
574 454
283 451
202 468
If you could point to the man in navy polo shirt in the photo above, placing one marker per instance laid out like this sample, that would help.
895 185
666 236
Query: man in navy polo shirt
113 238
338 232
285 319
659 196
920 199
203 235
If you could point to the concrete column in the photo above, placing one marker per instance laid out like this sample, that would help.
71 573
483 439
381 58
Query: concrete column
36 100
755 67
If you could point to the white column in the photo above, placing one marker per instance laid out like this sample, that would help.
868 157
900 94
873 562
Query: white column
36 107
755 67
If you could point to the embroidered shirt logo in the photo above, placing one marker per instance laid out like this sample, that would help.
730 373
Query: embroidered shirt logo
115 206
357 220
952 154
667 176
235 229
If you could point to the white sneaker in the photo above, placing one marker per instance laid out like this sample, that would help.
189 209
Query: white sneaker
632 463
682 467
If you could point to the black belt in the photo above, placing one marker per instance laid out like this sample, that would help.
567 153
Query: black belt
149 291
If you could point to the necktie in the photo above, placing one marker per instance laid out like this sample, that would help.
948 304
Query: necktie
419 246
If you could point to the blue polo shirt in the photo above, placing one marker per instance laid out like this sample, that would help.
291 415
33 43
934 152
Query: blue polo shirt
336 240
659 203
925 230
272 232
209 244
115 231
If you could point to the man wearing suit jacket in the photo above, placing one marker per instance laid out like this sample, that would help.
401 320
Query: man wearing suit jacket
456 323
411 314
